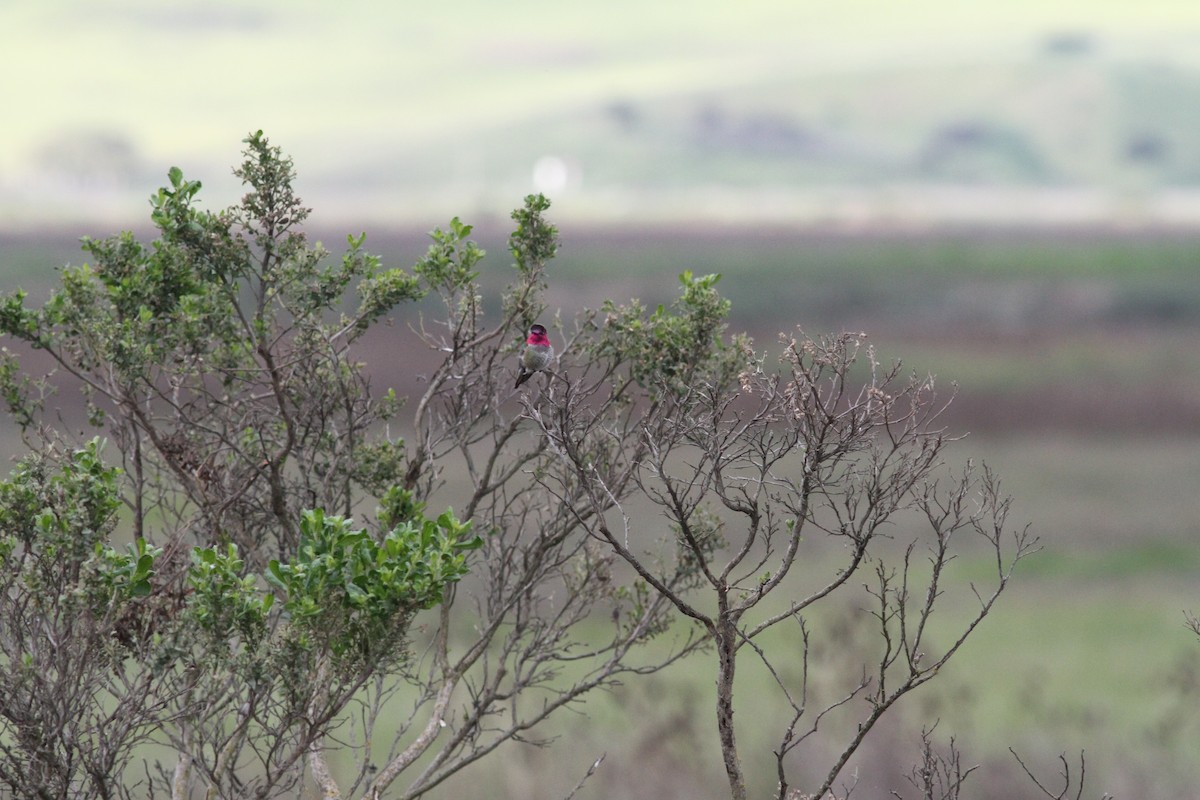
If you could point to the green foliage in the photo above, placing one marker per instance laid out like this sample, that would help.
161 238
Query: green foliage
56 521
532 244
15 319
398 506
17 389
218 355
73 622
223 348
271 204
343 590
225 600
61 516
534 241
380 465
672 347
449 263
357 594
379 290
125 575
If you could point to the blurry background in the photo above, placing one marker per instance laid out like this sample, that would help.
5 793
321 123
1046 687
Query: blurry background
1006 194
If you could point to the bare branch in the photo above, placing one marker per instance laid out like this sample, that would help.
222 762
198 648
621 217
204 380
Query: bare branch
1064 773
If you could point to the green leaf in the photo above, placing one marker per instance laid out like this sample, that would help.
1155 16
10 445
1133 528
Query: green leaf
275 575
356 594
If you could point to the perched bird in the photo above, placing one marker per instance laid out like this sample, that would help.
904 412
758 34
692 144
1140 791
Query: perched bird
537 355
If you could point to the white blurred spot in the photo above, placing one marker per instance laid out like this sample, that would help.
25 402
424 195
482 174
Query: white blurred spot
551 175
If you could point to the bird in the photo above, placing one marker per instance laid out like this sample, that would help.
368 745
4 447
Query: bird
537 355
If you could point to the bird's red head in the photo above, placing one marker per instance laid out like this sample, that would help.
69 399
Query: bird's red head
537 335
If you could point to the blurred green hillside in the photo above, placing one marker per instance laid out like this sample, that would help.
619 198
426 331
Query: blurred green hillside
860 111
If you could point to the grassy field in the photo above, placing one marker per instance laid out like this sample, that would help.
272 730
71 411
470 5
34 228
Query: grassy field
1077 359
1088 650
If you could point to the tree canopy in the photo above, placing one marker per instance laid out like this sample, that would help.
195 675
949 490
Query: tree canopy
232 565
